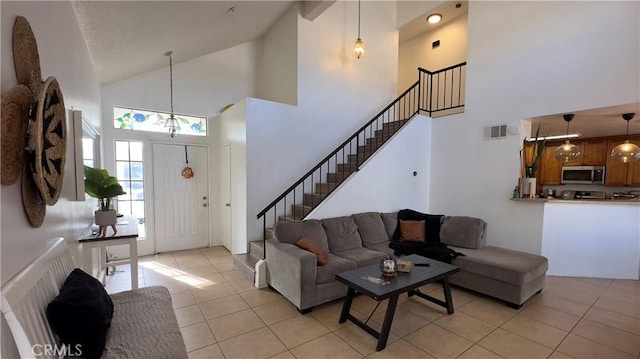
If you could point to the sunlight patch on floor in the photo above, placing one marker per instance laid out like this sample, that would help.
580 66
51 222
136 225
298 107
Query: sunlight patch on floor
178 275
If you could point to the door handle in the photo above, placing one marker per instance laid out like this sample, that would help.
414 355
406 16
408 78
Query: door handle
228 204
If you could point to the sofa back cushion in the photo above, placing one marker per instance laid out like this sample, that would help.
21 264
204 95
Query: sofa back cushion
291 231
371 228
390 221
465 232
342 234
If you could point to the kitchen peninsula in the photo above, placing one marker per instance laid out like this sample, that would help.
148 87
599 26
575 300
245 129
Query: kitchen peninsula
591 238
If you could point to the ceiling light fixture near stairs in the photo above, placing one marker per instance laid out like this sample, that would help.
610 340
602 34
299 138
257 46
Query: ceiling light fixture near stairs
359 49
172 122
626 152
434 18
567 151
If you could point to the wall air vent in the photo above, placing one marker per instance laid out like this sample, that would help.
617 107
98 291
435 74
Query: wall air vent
496 132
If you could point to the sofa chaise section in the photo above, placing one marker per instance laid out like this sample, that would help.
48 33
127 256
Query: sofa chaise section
512 276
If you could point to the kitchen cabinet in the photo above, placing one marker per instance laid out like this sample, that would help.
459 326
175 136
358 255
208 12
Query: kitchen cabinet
618 173
594 152
550 169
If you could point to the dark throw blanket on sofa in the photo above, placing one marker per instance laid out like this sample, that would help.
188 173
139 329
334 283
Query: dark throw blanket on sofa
432 247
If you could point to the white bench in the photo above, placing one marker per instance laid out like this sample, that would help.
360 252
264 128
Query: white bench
144 324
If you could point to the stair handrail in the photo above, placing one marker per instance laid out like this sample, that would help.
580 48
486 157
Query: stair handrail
338 149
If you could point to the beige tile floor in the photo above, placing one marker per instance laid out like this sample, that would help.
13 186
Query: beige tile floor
222 315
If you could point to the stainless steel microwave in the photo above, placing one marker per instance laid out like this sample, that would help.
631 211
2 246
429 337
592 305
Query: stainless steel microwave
583 175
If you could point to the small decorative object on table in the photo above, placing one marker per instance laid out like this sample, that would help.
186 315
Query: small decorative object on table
99 184
404 266
388 267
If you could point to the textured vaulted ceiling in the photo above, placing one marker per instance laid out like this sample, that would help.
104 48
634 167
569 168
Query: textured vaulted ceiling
127 38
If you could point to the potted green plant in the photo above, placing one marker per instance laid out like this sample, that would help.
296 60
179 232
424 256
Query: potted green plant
530 165
99 184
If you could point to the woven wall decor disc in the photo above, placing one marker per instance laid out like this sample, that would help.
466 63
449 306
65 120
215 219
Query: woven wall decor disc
32 201
26 59
48 141
15 122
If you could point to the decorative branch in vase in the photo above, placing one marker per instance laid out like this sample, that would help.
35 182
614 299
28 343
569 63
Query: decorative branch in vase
530 166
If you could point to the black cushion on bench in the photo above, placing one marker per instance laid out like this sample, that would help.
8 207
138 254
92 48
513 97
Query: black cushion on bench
81 314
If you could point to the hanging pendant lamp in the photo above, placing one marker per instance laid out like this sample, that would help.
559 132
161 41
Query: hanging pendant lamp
359 49
567 151
172 122
626 152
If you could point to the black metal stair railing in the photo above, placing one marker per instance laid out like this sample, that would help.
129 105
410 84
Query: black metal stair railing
433 92
443 89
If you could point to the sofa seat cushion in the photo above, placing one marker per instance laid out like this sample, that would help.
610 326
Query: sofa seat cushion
371 228
506 265
291 231
363 256
382 247
342 233
335 265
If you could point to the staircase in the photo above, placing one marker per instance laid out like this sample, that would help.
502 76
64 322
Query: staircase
438 92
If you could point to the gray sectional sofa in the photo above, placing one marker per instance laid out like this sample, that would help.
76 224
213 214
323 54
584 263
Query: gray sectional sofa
363 239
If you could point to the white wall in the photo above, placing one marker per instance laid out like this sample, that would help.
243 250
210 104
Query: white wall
278 75
418 52
337 94
201 87
386 182
527 59
63 54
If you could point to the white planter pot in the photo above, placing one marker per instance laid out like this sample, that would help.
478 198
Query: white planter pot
105 218
528 187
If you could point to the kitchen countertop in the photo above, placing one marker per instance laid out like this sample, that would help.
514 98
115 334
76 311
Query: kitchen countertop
632 201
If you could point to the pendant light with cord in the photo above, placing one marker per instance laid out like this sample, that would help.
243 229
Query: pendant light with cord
359 49
626 152
567 151
171 123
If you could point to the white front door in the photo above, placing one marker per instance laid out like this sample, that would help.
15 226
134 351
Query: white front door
225 194
181 205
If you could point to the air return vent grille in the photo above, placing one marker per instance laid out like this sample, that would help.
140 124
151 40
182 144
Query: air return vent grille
496 132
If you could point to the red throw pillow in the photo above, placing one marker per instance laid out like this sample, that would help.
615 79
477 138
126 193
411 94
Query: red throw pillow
308 244
412 231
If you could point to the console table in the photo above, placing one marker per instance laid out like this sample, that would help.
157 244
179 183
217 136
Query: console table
127 234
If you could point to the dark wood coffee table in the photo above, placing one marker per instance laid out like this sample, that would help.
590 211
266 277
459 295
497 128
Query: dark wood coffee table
370 282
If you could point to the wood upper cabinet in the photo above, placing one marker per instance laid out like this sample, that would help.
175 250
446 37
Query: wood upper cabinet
633 172
550 169
594 152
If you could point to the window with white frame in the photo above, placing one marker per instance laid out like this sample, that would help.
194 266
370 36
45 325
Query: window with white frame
130 174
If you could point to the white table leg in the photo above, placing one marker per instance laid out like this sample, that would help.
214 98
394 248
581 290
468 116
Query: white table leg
86 260
133 253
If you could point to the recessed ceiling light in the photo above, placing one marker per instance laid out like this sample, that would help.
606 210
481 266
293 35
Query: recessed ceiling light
434 18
